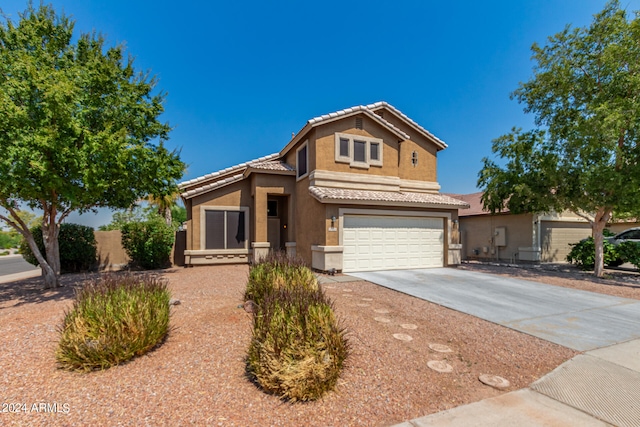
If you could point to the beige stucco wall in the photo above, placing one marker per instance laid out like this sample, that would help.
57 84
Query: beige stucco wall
309 217
326 152
426 169
477 232
111 254
236 194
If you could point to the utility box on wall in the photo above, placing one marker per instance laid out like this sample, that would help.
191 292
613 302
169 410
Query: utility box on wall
500 236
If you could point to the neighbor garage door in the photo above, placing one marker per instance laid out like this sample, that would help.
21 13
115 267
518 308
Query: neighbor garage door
392 242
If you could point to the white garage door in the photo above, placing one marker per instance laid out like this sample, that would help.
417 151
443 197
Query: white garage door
390 242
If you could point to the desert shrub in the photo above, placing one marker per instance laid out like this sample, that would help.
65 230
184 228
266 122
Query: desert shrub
113 319
77 245
277 271
298 350
630 252
148 243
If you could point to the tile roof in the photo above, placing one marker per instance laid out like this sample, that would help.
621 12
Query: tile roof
384 104
228 170
273 165
196 191
358 108
475 204
325 194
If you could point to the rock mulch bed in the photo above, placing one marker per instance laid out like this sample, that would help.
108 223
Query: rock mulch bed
198 375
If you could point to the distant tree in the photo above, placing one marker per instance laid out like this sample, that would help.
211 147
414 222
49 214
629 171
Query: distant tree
179 215
164 202
584 156
76 128
118 219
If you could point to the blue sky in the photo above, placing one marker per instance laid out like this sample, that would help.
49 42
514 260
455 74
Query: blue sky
241 76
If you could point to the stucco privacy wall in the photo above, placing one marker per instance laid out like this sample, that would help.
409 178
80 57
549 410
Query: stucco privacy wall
111 254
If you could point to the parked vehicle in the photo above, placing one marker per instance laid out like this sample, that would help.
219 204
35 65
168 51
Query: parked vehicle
629 235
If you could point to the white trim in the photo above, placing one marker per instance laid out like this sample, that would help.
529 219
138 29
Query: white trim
303 145
203 227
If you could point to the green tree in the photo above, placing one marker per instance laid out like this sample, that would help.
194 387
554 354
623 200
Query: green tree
584 154
77 125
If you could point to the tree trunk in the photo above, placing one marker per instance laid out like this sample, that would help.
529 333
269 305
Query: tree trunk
48 274
600 222
167 216
50 237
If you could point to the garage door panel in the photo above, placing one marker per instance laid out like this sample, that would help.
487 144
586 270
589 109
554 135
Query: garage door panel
386 242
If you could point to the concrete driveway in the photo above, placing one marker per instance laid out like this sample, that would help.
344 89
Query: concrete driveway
573 318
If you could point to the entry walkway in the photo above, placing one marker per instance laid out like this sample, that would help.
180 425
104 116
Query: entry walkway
573 318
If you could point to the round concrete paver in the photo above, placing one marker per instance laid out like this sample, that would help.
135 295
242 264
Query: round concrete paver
382 319
494 381
347 295
440 366
363 304
410 326
367 299
403 337
381 311
347 290
328 287
440 348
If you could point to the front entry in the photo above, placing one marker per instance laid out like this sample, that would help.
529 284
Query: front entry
277 222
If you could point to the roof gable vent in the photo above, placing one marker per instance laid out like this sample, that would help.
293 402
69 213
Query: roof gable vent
358 122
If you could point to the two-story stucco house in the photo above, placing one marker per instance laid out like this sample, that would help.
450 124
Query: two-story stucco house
353 190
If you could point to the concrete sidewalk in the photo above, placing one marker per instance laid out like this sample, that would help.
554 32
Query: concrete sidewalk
19 276
598 388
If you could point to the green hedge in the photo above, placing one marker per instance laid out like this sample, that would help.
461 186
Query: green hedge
148 243
77 245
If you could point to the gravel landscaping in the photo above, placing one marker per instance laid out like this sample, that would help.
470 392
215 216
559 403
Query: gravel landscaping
198 375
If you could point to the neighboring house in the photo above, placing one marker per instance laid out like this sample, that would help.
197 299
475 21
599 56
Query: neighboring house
353 190
523 237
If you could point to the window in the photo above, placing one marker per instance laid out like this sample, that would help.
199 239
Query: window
302 157
272 208
374 151
358 151
225 229
344 147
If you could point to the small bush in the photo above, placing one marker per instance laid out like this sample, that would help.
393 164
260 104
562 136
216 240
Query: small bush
278 271
298 350
148 243
77 245
9 239
113 319
583 253
630 252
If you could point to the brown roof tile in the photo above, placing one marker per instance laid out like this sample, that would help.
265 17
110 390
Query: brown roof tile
325 194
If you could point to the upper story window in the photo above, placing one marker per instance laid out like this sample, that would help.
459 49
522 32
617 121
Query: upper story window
358 151
302 160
